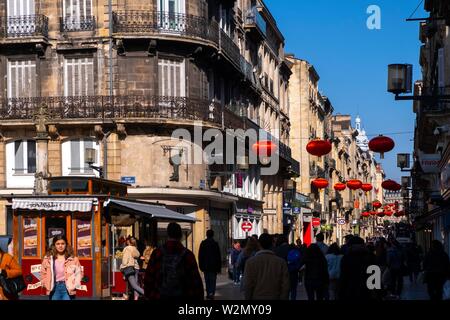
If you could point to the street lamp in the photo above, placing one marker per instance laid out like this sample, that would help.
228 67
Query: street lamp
90 156
400 81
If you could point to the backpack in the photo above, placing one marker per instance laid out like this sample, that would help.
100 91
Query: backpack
293 260
172 274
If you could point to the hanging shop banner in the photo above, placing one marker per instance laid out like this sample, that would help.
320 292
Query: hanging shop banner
30 237
429 162
84 237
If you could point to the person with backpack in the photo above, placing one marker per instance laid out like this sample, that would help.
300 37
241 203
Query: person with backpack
172 272
334 258
210 263
9 268
294 263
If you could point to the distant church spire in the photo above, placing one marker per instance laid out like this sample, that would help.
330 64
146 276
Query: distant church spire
361 140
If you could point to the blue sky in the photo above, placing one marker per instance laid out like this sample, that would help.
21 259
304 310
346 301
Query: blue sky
352 60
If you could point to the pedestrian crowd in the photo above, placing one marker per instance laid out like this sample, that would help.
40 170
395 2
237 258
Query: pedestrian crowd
267 267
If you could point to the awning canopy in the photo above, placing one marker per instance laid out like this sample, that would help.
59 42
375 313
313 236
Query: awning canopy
151 210
53 204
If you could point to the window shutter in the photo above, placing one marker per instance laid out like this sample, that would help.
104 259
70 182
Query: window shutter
87 144
18 156
75 165
31 158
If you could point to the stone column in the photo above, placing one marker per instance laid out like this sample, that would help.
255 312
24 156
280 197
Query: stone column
40 183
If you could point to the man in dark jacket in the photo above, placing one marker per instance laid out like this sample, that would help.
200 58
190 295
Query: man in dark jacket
437 270
353 280
172 272
210 263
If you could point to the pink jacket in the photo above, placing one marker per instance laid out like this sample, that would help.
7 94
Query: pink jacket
72 270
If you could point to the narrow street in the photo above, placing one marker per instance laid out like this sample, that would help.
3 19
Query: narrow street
226 290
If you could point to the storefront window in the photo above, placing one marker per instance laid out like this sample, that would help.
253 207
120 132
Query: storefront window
84 238
30 237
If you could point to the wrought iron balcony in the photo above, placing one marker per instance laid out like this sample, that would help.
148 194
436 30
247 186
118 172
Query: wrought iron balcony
24 26
255 22
73 24
106 107
141 21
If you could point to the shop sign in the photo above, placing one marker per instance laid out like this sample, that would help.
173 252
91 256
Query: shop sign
287 211
84 238
128 180
341 221
202 184
249 209
246 226
429 162
30 239
296 210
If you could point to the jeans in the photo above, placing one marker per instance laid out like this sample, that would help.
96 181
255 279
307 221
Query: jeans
293 277
60 292
133 282
210 282
236 275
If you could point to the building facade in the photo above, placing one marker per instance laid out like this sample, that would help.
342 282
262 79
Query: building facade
431 188
84 78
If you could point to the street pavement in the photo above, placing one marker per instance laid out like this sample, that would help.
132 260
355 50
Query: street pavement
226 290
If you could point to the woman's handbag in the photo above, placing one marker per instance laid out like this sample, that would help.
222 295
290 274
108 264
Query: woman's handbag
12 286
128 271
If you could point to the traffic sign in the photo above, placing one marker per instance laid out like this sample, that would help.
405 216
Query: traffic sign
247 226
341 221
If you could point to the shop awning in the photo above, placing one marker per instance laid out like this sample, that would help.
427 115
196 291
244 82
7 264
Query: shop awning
151 210
53 204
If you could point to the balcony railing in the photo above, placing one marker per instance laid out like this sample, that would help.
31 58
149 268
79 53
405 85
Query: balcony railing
253 17
142 22
106 107
24 26
72 24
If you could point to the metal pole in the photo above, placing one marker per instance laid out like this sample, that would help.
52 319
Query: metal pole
111 92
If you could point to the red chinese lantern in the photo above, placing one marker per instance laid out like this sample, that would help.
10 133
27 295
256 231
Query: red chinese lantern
365 214
264 148
381 214
318 147
373 213
366 187
340 186
354 184
381 144
399 214
391 185
320 183
377 204
389 213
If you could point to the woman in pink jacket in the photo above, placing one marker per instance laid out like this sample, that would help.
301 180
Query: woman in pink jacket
61 271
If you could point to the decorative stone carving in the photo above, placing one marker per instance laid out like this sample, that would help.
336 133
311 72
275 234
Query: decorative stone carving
40 119
121 130
99 132
53 132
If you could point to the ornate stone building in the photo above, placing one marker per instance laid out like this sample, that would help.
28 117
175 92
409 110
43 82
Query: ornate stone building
83 75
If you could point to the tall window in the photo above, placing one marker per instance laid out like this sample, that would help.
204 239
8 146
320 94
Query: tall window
21 78
79 77
76 12
73 156
172 78
18 11
24 157
170 16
